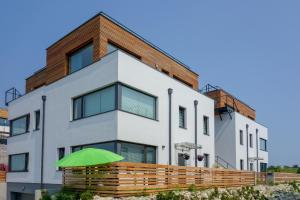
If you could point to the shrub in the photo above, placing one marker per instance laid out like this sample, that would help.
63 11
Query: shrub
298 171
86 195
169 195
45 196
192 188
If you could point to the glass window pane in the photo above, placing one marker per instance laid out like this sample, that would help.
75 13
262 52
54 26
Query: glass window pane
18 162
151 155
263 144
181 117
109 146
91 104
81 58
138 103
107 99
205 125
77 112
132 152
19 126
37 120
3 122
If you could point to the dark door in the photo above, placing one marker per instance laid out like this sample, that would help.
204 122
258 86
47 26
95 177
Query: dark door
181 160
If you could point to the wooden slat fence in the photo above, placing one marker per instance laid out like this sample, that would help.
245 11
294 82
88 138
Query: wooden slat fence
125 179
2 176
279 177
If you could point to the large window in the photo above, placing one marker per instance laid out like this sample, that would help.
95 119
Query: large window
130 151
241 137
81 58
20 125
205 125
94 103
263 167
263 144
18 162
182 117
138 103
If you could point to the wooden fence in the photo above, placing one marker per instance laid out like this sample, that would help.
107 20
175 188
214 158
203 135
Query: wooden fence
279 177
125 179
2 176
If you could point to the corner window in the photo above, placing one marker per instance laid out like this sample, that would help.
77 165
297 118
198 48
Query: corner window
263 144
241 137
251 140
97 102
18 162
241 164
113 47
182 117
206 160
37 115
81 58
20 125
138 103
205 125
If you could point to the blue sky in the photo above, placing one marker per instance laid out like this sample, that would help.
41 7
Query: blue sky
250 48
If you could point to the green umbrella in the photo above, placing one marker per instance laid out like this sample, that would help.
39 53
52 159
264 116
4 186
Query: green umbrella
88 157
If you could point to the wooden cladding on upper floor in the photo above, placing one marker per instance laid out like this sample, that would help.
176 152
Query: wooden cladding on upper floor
223 99
102 30
3 113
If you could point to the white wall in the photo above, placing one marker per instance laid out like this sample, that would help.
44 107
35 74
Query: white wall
60 131
227 140
137 74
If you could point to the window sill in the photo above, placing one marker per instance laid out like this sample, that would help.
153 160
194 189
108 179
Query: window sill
18 171
206 134
73 120
183 128
36 130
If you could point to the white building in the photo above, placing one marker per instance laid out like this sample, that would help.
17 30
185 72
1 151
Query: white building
132 119
240 141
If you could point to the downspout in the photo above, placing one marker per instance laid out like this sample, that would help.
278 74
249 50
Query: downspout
43 142
247 150
170 91
196 136
256 150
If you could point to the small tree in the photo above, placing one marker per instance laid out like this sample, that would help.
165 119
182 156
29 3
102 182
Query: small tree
298 171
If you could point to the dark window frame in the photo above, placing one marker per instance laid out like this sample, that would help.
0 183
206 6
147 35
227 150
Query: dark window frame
206 131
77 50
242 164
117 148
251 140
27 125
37 125
265 141
118 101
241 137
26 162
184 117
206 160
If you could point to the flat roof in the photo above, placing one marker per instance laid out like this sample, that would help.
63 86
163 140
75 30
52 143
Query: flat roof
131 32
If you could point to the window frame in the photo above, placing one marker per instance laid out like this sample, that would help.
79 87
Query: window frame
27 125
184 117
81 97
207 123
117 147
58 156
241 136
242 164
251 140
265 141
36 128
26 162
77 50
119 102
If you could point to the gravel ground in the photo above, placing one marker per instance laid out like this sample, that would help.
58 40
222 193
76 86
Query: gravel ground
276 192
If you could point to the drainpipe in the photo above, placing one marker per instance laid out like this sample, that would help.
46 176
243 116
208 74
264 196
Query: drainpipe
196 138
256 150
43 138
247 150
170 91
